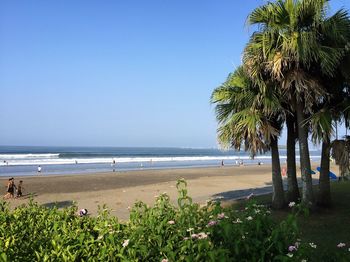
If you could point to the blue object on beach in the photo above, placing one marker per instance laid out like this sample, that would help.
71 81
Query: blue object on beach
331 174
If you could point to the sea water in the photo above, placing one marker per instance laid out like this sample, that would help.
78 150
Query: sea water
23 160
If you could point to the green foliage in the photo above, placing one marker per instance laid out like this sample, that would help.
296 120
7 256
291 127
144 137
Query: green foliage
165 232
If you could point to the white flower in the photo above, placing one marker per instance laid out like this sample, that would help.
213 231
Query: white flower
249 218
303 260
171 222
237 221
290 255
340 245
291 204
190 229
126 242
313 245
202 235
100 237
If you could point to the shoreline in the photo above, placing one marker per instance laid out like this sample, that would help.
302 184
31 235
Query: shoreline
120 190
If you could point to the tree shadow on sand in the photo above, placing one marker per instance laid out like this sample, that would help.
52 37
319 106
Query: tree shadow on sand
29 195
60 204
244 193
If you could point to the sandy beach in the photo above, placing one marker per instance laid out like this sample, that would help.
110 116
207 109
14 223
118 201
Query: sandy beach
120 190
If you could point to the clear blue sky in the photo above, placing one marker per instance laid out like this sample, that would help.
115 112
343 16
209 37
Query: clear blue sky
117 73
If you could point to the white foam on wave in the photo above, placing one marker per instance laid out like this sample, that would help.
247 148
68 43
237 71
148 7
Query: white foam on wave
63 161
26 156
53 159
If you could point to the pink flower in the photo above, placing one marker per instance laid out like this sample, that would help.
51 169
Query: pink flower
165 260
194 236
171 222
212 223
292 248
221 215
340 245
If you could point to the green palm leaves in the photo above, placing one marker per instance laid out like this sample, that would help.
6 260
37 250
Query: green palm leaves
296 63
245 114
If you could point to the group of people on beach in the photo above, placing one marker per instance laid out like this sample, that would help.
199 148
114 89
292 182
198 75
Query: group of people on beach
12 189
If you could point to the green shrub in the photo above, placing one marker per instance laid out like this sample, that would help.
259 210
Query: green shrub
164 232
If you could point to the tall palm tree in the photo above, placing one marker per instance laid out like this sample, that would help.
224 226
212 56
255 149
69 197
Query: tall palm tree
288 45
327 114
248 116
323 126
293 188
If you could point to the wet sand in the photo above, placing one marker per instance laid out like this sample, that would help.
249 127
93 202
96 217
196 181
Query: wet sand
120 190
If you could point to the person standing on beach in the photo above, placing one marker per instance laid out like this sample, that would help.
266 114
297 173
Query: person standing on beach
113 165
222 162
284 171
19 189
39 169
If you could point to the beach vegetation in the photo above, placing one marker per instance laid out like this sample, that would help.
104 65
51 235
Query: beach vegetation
163 232
324 227
182 232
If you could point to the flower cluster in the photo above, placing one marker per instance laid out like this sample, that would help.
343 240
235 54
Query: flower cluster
340 245
212 223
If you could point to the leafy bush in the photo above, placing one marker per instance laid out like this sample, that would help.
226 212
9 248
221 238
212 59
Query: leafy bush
163 232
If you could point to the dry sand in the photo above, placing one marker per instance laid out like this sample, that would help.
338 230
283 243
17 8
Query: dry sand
120 190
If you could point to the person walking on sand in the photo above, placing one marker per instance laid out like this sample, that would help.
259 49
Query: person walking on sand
19 189
39 169
10 189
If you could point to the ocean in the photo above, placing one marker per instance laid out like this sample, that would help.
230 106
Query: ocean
24 160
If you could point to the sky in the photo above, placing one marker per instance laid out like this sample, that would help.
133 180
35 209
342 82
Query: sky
117 73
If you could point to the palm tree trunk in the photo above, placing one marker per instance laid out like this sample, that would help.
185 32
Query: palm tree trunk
293 189
324 195
277 185
307 191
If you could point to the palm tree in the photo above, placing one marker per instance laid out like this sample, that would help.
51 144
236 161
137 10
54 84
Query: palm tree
248 116
322 129
288 46
293 188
